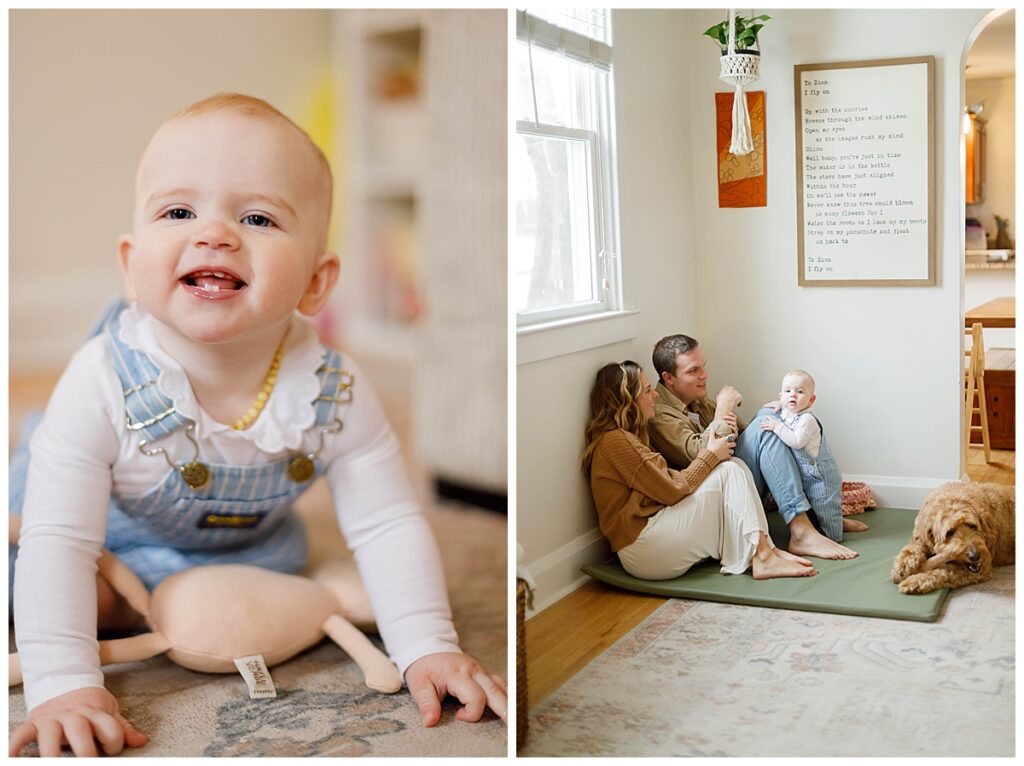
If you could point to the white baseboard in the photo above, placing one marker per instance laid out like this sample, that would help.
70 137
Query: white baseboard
899 492
558 574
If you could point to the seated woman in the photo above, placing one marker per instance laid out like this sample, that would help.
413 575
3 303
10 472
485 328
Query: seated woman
660 521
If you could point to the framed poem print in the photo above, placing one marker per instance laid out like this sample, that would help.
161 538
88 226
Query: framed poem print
865 166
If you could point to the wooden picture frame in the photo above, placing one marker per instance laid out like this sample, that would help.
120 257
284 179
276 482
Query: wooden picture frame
865 172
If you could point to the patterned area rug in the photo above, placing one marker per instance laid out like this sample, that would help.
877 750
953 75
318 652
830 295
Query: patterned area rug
699 678
323 708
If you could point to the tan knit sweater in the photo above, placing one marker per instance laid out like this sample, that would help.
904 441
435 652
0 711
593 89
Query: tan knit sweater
631 482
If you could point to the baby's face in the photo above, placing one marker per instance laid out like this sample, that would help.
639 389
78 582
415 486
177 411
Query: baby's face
797 393
229 226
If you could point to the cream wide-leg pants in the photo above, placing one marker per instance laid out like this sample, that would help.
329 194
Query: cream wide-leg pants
722 520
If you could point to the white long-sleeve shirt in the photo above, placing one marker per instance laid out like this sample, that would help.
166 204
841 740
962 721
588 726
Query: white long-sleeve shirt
800 430
82 451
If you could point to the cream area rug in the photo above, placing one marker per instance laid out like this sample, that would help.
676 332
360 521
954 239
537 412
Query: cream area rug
323 708
699 678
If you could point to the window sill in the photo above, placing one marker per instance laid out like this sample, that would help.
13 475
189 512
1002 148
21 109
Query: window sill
535 343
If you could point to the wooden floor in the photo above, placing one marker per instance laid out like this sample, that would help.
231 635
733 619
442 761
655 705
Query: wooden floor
1000 470
562 639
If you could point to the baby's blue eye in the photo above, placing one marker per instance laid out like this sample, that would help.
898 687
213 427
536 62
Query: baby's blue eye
179 214
255 219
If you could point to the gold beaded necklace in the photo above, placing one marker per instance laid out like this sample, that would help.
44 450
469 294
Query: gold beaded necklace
261 399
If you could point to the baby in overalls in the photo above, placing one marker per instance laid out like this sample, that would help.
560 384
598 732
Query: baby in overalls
183 430
801 431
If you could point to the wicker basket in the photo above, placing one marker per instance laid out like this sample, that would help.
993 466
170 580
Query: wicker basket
522 708
740 68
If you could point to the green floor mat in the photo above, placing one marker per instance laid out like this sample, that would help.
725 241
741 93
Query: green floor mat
859 586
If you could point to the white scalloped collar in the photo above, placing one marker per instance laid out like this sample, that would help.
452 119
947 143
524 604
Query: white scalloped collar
788 417
283 420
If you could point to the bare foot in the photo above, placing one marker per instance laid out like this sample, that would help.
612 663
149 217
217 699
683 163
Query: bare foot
790 557
771 566
852 525
813 543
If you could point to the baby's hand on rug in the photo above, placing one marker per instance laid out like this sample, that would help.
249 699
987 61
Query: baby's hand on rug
78 719
435 676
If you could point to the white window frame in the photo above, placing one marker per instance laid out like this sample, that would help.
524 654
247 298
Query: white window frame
598 278
603 203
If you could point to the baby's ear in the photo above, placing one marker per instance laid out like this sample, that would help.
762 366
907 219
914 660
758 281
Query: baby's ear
125 248
325 276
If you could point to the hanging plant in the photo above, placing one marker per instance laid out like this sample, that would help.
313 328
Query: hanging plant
746 34
740 67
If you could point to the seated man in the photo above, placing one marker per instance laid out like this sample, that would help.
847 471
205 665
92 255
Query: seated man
683 416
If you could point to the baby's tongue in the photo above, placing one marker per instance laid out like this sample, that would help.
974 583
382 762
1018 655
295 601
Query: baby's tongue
215 283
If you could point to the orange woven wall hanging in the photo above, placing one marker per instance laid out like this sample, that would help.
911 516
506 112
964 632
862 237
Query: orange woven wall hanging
743 179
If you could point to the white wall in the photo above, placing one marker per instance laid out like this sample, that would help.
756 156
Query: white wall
87 90
556 521
887 360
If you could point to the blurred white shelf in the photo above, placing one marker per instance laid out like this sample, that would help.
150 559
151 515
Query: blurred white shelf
384 183
989 260
992 266
382 339
382 53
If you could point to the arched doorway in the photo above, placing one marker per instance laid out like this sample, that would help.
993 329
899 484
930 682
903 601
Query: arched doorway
988 149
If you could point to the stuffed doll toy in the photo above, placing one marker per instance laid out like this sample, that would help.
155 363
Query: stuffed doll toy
226 618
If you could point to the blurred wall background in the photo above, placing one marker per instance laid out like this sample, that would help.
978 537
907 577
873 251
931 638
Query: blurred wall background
87 90
378 90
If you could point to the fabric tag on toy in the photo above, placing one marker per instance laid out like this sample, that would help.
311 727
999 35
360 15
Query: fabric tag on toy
257 677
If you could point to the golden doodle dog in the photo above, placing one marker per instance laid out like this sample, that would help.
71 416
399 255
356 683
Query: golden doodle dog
960 533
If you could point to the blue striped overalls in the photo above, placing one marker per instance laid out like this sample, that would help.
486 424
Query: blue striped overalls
823 484
242 515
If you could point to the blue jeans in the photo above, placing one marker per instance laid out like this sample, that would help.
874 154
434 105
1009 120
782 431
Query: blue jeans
773 466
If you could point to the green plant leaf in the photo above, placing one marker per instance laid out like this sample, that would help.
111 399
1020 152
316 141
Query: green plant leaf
718 33
746 31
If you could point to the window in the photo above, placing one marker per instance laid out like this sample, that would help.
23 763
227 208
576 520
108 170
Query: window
562 168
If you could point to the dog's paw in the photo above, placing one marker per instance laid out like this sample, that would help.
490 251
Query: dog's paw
919 583
905 564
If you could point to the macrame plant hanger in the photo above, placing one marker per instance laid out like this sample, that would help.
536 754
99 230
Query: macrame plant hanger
739 69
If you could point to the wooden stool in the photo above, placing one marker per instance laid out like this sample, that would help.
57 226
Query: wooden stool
1000 384
975 388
